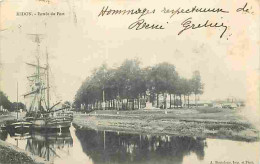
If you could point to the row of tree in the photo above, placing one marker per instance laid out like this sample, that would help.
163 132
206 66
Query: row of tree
131 82
5 103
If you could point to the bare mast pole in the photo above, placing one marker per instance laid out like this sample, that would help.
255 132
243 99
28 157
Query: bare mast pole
37 40
48 83
17 102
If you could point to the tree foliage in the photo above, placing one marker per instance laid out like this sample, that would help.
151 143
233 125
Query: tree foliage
4 101
7 104
130 81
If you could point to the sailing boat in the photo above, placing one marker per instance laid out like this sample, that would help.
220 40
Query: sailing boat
19 125
40 113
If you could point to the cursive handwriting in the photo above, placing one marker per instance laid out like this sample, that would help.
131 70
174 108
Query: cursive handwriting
141 12
141 24
194 9
187 24
245 9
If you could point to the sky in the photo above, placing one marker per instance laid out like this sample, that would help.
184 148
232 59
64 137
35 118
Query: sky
81 41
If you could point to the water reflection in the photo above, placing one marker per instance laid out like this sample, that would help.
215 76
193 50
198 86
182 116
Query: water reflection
46 144
112 147
86 146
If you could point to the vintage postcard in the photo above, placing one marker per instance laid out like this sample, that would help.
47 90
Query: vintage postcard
130 81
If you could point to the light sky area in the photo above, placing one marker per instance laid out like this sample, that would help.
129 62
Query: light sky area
80 41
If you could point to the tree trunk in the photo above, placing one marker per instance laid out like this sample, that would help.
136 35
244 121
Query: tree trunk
138 105
138 102
157 95
184 101
177 102
188 101
170 101
113 104
180 101
195 100
133 105
174 102
165 101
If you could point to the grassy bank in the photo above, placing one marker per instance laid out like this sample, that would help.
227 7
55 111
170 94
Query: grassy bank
202 122
10 154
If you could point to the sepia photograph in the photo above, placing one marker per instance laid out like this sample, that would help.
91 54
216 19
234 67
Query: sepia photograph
129 82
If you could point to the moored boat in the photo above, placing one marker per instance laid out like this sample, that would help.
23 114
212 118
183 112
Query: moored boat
21 125
53 122
41 114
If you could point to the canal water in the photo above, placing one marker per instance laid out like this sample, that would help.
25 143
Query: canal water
86 146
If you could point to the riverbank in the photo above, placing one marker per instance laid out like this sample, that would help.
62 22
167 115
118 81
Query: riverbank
13 155
201 122
4 118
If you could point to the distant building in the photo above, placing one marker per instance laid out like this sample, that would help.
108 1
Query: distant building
229 105
199 103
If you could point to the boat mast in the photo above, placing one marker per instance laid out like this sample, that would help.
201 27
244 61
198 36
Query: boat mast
48 84
17 102
38 67
38 81
37 40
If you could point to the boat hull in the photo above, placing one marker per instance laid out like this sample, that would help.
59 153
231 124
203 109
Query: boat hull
19 127
52 123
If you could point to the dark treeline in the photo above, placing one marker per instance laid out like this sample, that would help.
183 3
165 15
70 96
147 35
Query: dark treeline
5 103
129 86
